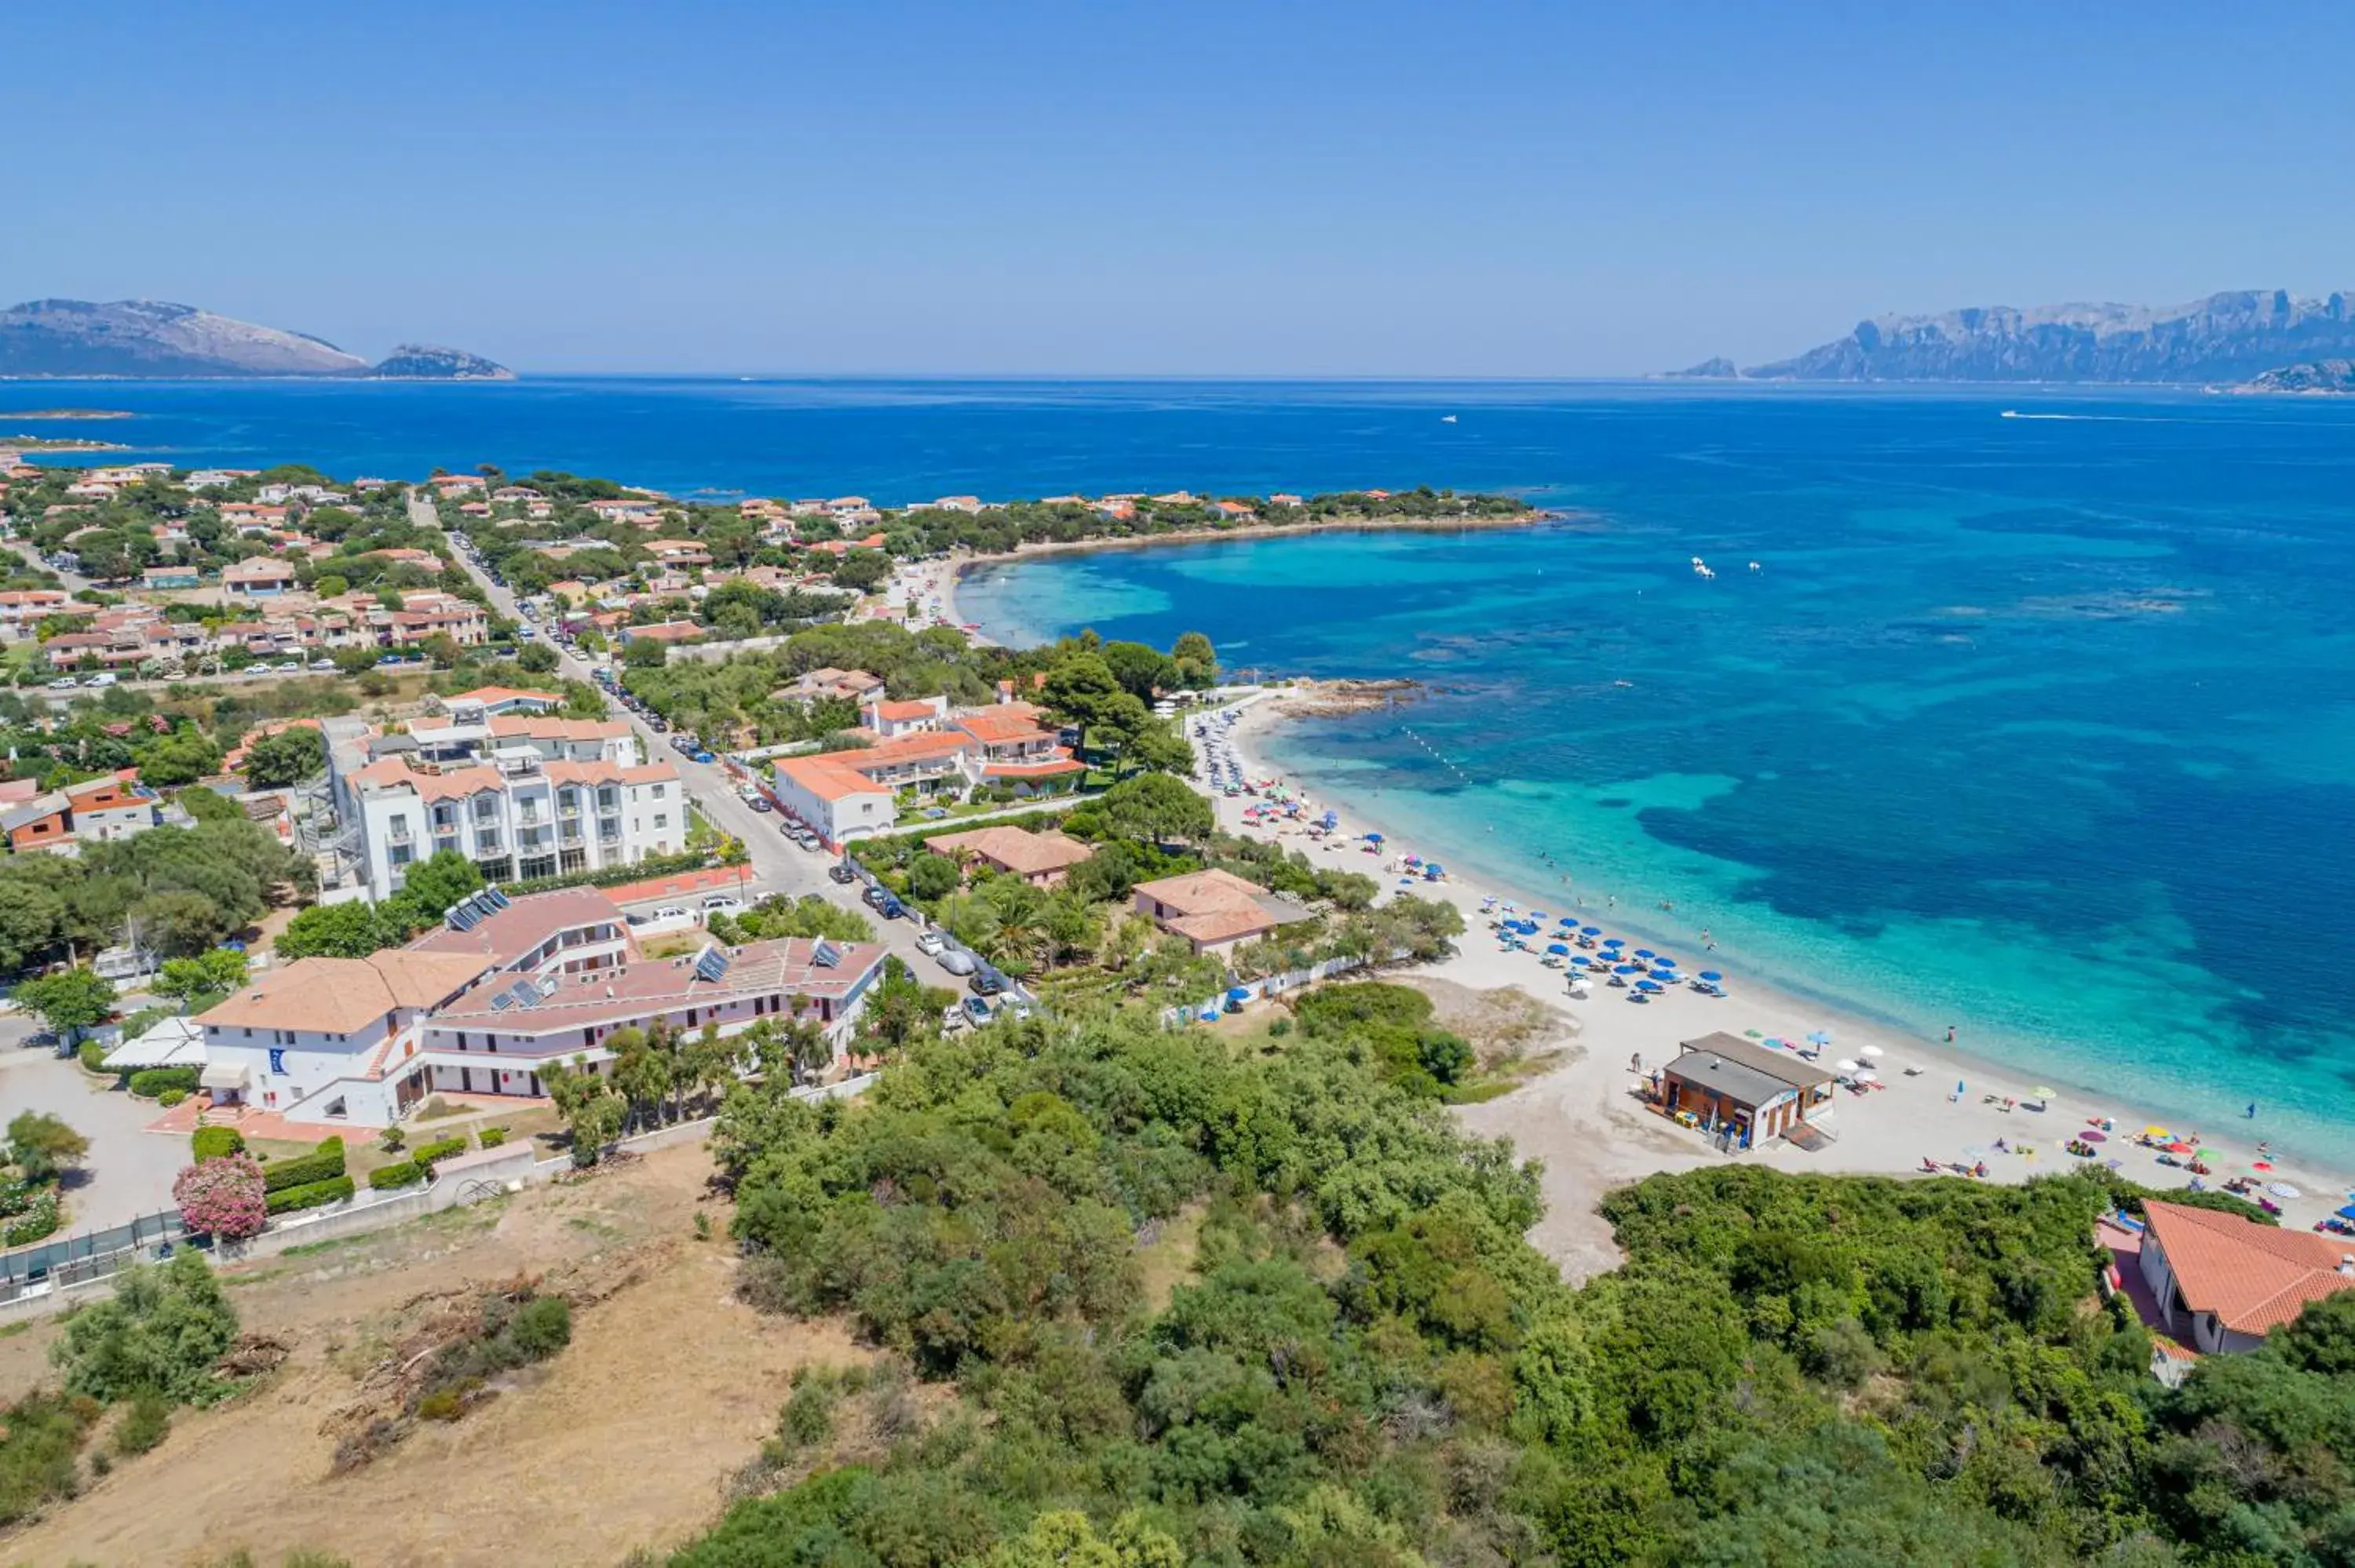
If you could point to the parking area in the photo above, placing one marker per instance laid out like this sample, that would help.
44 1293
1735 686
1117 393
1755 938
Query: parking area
128 1170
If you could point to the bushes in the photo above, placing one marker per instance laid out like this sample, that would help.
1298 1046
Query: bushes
213 1142
513 1334
143 1426
153 1083
92 1055
39 1219
310 1195
492 1137
322 1164
171 1098
40 1436
222 1197
400 1173
425 1154
160 1334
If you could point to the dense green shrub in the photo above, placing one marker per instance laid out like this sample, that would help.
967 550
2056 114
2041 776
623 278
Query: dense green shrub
213 1142
322 1164
92 1055
492 1137
161 1332
425 1154
310 1195
40 1437
400 1173
170 1098
143 1424
150 1083
39 1219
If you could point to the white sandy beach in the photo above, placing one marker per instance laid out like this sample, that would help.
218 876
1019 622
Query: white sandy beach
1582 1116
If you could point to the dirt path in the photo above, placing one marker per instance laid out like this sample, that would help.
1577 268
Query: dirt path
624 1440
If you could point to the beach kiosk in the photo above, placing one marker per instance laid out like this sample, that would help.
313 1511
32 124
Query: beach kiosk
1727 1084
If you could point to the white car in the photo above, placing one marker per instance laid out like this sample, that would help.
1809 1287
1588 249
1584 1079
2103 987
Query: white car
64 684
99 680
929 944
722 903
324 666
290 666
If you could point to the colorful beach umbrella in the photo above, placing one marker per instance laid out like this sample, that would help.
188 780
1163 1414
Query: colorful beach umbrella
2095 1135
2284 1189
1557 949
1820 1037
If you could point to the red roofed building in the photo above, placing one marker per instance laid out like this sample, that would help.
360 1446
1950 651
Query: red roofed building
2223 1282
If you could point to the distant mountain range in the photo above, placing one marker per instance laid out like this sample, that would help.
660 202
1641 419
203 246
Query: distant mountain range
2227 337
154 339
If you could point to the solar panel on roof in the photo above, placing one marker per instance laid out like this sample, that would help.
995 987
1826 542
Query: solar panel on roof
711 964
523 993
501 1003
825 955
497 899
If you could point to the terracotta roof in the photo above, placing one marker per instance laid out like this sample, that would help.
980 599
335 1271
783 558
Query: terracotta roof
393 773
635 991
1017 849
1010 721
342 995
1198 892
907 710
508 934
1222 925
828 778
507 695
2252 1277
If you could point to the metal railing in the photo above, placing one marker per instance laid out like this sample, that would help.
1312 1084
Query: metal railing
93 1254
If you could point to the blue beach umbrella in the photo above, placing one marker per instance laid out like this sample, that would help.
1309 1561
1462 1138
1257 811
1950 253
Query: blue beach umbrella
1239 993
1664 961
1647 985
1626 968
1570 920
1642 952
1820 1037
1590 930
1557 949
1614 942
1712 976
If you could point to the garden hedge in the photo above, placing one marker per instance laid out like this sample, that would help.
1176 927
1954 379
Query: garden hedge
400 1173
213 1142
153 1083
322 1164
310 1195
440 1148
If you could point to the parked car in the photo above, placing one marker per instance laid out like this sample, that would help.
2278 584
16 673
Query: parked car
957 961
759 803
702 757
722 903
64 684
290 666
952 1018
101 679
976 1011
665 912
986 983
841 873
930 943
324 666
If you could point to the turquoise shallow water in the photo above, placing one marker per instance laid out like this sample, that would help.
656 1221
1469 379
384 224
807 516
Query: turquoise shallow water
2042 727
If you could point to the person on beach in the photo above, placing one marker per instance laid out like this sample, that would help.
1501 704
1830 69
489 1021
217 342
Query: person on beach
1950 1034
1635 1062
2249 1114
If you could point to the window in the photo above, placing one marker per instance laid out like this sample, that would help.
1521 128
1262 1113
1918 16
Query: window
662 819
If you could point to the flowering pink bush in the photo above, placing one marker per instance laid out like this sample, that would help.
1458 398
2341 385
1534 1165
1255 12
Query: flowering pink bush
222 1196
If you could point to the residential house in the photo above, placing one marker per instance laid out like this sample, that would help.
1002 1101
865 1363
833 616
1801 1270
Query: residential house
115 806
679 553
1216 911
177 576
830 683
891 720
671 632
921 746
22 610
1042 860
1012 748
257 578
2222 1283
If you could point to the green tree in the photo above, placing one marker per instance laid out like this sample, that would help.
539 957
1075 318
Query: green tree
182 757
536 658
441 880
1081 688
1157 749
43 1146
208 973
1196 662
862 571
1155 808
70 1001
351 930
283 761
932 876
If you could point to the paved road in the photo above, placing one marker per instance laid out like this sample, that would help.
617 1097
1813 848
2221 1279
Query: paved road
778 865
129 1170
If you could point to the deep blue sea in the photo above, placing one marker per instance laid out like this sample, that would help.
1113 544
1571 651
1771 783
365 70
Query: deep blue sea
2042 727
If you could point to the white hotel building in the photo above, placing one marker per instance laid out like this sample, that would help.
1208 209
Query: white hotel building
482 1004
521 794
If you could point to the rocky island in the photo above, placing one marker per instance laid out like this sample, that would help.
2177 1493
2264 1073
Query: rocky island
156 339
2326 378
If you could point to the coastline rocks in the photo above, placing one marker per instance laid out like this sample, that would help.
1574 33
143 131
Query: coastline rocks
1334 699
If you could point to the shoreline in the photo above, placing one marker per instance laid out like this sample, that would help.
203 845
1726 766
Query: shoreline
958 565
1580 1118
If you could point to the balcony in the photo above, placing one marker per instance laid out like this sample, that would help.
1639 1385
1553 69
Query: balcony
486 844
568 808
569 832
398 834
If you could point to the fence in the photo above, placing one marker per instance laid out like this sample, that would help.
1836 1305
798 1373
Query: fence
93 1254
1264 989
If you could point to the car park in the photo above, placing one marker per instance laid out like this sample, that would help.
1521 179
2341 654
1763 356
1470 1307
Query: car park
930 943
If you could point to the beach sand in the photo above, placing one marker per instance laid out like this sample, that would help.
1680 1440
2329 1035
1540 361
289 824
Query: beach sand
1582 1116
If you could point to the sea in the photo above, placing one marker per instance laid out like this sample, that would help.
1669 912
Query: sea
2028 712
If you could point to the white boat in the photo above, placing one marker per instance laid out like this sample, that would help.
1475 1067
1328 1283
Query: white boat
1446 418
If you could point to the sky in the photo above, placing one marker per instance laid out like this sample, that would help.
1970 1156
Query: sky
1213 188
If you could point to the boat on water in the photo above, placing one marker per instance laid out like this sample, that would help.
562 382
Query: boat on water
1446 418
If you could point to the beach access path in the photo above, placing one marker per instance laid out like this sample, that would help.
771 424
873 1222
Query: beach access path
1583 1117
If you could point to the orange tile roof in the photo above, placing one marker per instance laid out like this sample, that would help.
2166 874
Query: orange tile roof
907 710
827 778
2252 1277
507 695
342 995
1009 721
1017 849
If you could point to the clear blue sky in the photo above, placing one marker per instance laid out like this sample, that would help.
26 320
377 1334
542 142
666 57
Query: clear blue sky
1263 188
